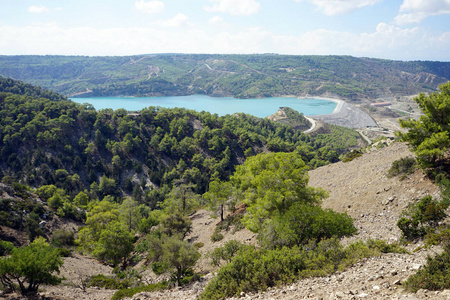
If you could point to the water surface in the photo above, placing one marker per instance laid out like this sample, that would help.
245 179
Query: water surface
217 105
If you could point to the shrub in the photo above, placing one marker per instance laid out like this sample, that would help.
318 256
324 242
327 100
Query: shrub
302 223
103 281
352 155
129 292
421 217
435 275
63 237
216 236
6 248
227 252
404 166
257 269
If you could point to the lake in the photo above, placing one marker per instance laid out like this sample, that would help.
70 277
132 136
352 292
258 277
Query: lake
217 105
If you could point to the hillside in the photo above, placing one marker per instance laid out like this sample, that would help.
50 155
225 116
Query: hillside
134 184
241 76
375 202
117 153
363 190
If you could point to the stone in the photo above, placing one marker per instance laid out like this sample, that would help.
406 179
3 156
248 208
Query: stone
363 295
340 295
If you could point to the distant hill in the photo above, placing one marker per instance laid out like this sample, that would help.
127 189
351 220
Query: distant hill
241 76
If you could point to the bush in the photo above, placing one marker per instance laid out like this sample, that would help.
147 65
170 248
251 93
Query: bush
6 248
103 281
128 293
63 237
303 223
256 270
434 276
352 155
404 166
227 252
216 236
421 217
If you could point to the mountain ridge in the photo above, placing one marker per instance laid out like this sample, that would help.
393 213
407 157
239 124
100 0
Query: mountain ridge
240 76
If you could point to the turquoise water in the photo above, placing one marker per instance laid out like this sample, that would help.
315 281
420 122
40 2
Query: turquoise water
221 106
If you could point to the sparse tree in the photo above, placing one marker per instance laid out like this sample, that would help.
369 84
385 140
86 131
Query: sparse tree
31 266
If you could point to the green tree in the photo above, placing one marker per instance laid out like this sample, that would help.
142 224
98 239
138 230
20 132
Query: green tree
129 213
115 244
218 196
104 236
81 199
107 186
179 255
271 183
176 224
429 136
181 199
31 266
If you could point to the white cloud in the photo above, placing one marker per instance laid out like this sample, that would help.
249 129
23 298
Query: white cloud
217 21
386 41
38 9
234 7
177 21
415 11
337 7
151 7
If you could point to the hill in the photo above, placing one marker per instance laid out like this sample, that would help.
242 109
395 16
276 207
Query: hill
363 190
241 76
117 153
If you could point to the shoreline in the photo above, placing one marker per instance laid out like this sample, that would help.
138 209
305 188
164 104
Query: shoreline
337 109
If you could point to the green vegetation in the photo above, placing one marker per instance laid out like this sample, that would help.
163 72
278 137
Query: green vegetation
241 76
81 155
435 274
281 207
226 253
352 155
129 292
30 266
252 270
103 281
421 217
429 136
105 236
129 175
404 166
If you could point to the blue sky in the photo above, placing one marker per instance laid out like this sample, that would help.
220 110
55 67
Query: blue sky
391 29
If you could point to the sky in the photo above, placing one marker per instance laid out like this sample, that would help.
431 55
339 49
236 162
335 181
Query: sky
389 29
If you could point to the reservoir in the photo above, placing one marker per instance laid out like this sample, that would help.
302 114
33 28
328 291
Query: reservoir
216 105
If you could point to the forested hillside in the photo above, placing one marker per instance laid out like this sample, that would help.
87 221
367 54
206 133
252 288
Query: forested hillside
146 154
241 76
